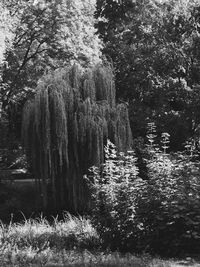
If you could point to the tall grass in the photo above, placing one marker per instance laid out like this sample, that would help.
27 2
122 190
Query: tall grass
38 241
70 242
39 233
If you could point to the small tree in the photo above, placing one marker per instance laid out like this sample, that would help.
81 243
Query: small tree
65 128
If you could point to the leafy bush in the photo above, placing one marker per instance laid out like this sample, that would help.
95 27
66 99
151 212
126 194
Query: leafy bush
160 214
170 205
115 191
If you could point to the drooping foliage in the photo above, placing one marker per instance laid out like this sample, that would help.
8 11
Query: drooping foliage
65 128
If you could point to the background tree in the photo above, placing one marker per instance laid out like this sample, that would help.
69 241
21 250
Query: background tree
47 35
152 45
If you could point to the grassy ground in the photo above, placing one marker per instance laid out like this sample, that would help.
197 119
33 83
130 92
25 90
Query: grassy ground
71 242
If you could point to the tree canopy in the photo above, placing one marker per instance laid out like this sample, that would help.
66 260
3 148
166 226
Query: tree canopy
153 46
46 35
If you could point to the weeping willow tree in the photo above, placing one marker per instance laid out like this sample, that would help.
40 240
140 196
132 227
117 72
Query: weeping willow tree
65 128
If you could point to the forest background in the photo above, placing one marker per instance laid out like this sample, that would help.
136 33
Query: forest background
153 48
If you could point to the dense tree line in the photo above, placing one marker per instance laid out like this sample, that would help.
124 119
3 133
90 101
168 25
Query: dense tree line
154 46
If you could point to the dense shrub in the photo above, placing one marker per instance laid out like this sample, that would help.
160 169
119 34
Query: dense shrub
115 191
171 204
159 214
